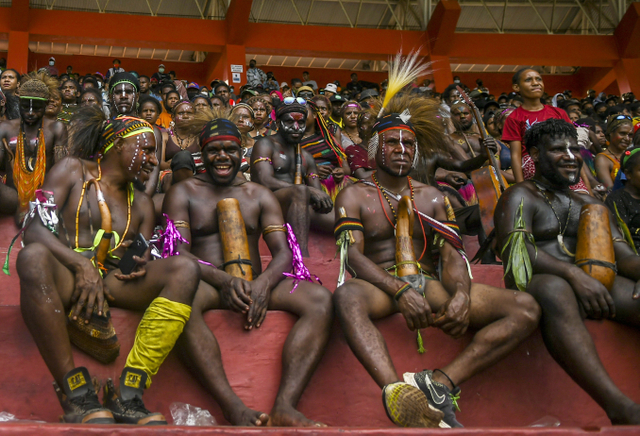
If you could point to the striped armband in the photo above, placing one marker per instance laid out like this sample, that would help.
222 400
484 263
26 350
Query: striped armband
347 223
401 291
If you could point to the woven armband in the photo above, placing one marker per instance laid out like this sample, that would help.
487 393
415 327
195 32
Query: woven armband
181 224
347 224
274 228
262 159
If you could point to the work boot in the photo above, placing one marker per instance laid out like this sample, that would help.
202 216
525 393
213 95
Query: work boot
128 407
439 395
79 400
407 406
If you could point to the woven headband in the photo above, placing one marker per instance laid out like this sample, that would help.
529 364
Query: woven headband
131 126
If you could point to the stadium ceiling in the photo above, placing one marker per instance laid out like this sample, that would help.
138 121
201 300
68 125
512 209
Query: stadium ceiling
489 16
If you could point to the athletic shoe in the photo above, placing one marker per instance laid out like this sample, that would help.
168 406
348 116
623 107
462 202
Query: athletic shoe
439 395
79 400
128 407
407 406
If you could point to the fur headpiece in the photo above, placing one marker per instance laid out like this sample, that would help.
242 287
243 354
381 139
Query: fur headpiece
39 86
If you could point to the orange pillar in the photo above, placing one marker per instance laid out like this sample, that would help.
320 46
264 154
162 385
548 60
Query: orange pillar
441 67
232 56
627 75
18 57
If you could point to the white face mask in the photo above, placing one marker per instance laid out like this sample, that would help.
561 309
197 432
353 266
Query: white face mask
52 63
161 70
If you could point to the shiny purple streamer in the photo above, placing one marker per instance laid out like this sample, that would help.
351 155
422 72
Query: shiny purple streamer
300 270
169 238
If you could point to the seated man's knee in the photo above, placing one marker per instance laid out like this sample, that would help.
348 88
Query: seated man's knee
551 292
319 302
186 271
300 193
528 310
31 260
346 300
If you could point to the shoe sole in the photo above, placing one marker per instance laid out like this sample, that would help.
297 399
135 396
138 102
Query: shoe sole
409 378
105 417
407 406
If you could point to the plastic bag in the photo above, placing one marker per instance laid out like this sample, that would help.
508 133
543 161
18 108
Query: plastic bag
186 414
546 421
7 417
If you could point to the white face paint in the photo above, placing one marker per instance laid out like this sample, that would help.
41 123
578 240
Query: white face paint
122 89
571 155
30 106
402 144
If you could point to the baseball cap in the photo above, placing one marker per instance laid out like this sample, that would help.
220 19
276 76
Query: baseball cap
193 85
368 93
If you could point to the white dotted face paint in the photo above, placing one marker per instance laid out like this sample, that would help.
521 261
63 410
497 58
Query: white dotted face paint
30 105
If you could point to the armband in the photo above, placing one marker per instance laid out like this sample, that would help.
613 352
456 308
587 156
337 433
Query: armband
262 159
347 223
312 176
181 224
273 228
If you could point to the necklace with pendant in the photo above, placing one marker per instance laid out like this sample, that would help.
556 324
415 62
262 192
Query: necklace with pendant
566 224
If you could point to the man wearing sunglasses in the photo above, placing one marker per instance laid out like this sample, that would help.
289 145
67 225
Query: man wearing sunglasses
273 164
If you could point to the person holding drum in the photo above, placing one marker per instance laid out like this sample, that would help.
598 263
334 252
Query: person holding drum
218 217
562 248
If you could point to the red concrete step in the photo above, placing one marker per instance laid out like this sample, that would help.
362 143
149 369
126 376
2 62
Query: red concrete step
518 391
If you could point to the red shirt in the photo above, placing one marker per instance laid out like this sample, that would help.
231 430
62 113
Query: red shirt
520 120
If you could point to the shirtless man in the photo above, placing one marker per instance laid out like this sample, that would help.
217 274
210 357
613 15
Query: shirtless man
124 97
503 318
273 165
464 135
58 274
192 204
34 97
565 292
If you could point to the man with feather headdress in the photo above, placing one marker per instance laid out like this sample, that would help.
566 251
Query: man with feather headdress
29 146
406 126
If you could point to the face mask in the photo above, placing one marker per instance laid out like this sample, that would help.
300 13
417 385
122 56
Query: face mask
52 63
161 70
456 81
99 84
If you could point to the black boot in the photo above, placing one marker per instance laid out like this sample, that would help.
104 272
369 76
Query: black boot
128 407
79 400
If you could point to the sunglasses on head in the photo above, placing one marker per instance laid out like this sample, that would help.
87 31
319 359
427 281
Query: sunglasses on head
622 117
292 100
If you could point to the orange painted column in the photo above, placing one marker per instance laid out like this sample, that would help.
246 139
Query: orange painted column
18 56
626 71
232 57
441 67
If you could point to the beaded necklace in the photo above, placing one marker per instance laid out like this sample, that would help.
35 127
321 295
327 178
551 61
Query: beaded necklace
381 193
129 201
563 247
180 141
28 176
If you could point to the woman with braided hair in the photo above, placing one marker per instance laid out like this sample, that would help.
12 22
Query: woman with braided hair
29 147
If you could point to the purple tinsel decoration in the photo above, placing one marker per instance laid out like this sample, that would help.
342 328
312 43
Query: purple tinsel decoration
300 270
169 238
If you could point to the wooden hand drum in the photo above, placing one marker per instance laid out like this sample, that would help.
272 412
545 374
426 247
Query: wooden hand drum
237 259
594 250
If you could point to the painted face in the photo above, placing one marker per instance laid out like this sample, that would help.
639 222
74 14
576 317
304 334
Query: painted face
9 81
222 161
453 96
138 155
53 106
149 112
293 125
124 98
88 99
32 110
559 161
243 120
260 110
530 84
461 116
396 152
184 112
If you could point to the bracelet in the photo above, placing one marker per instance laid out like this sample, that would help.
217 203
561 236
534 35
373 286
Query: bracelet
262 159
273 228
401 291
312 176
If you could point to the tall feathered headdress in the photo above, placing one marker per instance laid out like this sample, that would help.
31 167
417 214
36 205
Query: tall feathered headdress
417 114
